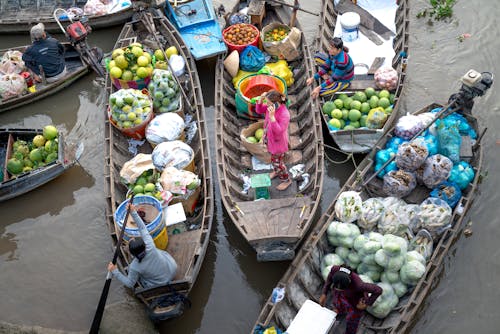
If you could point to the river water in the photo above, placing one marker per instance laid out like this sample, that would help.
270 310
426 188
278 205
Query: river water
54 244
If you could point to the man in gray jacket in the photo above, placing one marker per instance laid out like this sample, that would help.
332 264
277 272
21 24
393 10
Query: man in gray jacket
151 266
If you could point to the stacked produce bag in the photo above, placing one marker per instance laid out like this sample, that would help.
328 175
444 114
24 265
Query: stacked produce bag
165 91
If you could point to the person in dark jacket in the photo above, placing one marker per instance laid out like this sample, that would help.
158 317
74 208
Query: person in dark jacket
336 69
47 52
349 295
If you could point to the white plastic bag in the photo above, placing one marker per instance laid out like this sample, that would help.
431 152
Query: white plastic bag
177 63
371 212
164 127
172 154
408 126
386 78
348 206
11 85
411 154
399 183
434 216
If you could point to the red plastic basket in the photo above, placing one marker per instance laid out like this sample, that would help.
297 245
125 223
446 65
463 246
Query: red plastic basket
259 84
240 48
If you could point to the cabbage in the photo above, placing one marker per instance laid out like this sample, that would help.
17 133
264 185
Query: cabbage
382 258
375 236
371 247
334 241
343 252
348 206
394 245
346 242
343 231
365 278
415 256
389 276
353 257
369 259
385 302
332 259
359 242
331 230
325 271
374 275
395 263
411 272
400 289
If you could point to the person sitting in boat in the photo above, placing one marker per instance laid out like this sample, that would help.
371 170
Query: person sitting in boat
151 266
336 69
277 118
46 52
350 295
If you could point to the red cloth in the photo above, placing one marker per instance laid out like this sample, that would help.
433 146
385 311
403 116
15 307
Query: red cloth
276 132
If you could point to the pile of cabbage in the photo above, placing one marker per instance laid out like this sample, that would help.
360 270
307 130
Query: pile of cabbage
386 241
431 159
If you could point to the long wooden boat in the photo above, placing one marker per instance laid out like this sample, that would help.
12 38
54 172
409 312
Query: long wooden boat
362 140
303 280
75 68
187 248
198 26
273 227
19 17
11 187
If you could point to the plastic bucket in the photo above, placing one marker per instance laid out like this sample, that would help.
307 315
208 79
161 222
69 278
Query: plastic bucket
350 26
240 48
259 84
154 214
244 106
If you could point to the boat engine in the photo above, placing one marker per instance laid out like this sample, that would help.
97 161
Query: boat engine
474 84
78 30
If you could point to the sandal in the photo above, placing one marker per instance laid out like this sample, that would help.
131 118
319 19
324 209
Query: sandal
272 175
284 185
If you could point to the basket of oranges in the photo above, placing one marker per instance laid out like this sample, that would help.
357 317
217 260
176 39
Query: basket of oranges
280 40
239 36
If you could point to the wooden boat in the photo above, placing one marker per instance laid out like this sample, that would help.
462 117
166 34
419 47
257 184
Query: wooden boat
75 68
11 187
188 248
19 17
274 227
303 279
198 26
362 140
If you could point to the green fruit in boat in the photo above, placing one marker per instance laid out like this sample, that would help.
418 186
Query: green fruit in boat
137 51
50 132
36 155
388 110
171 51
149 194
159 55
18 143
360 96
362 120
355 124
115 72
51 157
383 102
50 146
39 140
384 93
252 140
365 107
23 150
339 103
158 196
336 113
349 127
373 102
335 123
354 115
27 169
391 98
14 166
328 107
128 99
355 105
343 96
259 133
345 114
138 189
127 75
370 91
347 102
27 162
149 187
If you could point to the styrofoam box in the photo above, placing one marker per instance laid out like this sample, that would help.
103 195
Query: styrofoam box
312 318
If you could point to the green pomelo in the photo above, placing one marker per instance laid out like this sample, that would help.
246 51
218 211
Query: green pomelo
39 140
336 113
51 157
365 107
373 101
362 120
141 181
335 123
138 189
384 93
14 166
345 114
36 155
252 140
355 124
343 96
339 103
360 96
347 102
383 102
328 107
355 105
370 91
50 132
149 187
354 115
259 133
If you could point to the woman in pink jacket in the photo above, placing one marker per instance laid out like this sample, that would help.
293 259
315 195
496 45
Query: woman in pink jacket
272 104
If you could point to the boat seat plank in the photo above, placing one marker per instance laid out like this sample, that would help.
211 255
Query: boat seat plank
184 246
272 213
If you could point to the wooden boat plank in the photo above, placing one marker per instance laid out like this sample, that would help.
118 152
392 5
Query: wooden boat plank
184 246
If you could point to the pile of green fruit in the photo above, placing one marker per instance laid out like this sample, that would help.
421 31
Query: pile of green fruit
146 185
257 137
130 63
29 155
351 112
129 108
165 91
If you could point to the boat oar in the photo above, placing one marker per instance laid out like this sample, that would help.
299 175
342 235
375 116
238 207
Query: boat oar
440 114
149 23
295 6
96 323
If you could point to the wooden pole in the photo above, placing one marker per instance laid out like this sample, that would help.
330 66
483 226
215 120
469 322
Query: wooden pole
294 13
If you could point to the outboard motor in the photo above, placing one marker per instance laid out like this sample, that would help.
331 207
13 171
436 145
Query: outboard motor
474 84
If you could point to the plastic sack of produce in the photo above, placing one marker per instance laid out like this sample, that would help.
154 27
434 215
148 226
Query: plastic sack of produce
411 154
436 169
447 191
431 142
281 69
393 143
386 78
384 304
393 203
434 216
165 91
133 168
252 59
11 85
172 154
399 183
422 243
371 211
462 174
178 181
95 7
411 272
12 62
463 125
394 221
129 108
342 234
408 126
376 118
449 139
165 127
411 211
348 206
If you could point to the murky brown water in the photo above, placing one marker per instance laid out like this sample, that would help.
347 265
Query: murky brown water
54 244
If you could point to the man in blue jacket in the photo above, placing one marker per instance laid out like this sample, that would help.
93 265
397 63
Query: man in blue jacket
47 52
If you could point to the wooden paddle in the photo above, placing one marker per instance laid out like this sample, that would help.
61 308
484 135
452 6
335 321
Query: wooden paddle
96 323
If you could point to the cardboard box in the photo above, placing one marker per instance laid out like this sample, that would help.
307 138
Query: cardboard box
175 219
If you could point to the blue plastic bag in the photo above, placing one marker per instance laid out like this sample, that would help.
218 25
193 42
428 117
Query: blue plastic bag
462 174
252 59
449 139
448 192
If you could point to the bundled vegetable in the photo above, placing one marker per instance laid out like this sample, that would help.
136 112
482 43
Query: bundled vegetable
165 91
436 169
129 108
372 210
399 183
385 302
422 244
342 234
434 216
348 206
